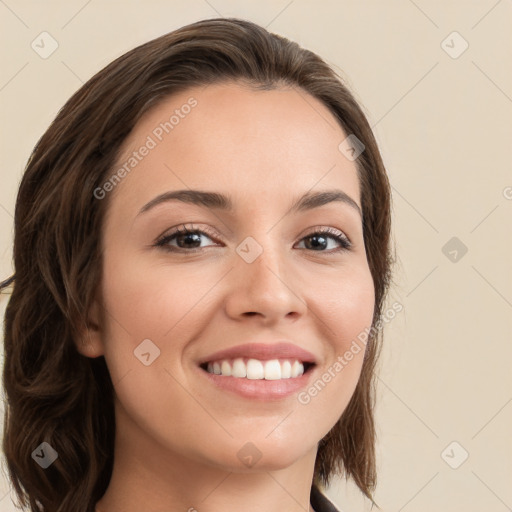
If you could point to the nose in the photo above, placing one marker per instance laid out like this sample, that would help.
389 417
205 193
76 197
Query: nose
267 288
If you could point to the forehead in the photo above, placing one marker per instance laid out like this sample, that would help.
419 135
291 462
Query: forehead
279 142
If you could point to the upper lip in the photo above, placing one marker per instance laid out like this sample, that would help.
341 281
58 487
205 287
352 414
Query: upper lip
263 352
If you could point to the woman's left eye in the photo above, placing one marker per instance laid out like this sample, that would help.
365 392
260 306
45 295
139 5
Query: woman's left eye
318 240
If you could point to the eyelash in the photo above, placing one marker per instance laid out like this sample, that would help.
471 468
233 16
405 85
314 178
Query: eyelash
345 244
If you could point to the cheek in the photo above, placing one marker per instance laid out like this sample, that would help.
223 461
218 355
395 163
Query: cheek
147 302
157 302
347 304
150 300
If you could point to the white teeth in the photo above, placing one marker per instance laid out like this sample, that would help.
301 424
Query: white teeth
225 368
257 370
239 368
272 370
297 369
286 370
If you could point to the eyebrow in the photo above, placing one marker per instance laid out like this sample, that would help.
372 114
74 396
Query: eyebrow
217 201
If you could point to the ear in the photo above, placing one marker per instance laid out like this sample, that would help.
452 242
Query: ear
90 342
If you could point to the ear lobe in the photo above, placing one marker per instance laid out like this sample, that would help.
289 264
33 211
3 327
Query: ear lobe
90 342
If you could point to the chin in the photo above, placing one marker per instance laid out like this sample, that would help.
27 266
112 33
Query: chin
266 455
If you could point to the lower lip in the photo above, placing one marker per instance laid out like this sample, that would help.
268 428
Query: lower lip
260 389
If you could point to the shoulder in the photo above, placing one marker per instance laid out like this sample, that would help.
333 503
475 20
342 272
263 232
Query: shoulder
320 502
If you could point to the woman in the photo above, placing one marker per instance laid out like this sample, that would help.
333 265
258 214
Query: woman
201 253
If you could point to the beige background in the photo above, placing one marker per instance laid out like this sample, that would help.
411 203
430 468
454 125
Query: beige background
444 127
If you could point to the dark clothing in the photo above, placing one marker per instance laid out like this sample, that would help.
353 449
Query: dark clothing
320 502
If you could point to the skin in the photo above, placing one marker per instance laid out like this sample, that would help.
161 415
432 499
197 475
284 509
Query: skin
177 438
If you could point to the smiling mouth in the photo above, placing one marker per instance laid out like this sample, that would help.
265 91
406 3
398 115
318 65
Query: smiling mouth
255 369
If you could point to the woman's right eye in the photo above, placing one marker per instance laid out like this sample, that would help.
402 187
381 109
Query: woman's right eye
182 237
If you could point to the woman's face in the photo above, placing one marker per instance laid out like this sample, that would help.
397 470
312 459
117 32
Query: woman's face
251 273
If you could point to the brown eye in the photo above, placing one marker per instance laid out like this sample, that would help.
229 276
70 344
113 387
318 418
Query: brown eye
319 241
185 240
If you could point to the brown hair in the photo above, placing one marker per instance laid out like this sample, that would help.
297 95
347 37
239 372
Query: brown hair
53 393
